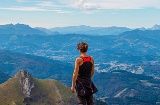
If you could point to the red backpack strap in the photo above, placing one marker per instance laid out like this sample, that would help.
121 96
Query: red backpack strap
86 59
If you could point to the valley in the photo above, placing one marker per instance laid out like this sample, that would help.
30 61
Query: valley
126 64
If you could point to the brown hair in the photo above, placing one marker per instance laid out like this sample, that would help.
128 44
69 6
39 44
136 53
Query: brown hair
82 46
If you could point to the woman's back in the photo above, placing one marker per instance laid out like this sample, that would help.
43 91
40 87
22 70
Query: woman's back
83 72
85 68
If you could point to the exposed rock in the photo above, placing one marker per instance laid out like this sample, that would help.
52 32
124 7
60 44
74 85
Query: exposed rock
26 82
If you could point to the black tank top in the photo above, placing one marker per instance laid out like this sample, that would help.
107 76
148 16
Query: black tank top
85 69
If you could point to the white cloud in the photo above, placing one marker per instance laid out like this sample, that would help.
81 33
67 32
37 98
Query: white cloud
20 1
22 9
87 6
82 4
98 4
126 4
46 4
114 4
35 9
39 5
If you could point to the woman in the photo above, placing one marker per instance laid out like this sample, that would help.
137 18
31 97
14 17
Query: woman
83 72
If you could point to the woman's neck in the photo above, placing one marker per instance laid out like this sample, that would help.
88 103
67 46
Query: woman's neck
84 55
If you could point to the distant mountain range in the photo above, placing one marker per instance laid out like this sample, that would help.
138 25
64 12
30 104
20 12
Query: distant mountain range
23 29
19 29
136 51
87 30
155 27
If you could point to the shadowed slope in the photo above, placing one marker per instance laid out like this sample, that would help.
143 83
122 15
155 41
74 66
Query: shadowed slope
3 77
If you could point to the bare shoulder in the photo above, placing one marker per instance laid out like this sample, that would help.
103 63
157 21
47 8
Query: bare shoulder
78 59
92 59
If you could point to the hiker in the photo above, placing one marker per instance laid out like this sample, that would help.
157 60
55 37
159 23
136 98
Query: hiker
83 72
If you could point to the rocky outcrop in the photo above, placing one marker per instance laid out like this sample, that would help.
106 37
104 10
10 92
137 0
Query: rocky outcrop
23 89
26 82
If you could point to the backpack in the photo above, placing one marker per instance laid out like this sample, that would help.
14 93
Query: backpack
85 90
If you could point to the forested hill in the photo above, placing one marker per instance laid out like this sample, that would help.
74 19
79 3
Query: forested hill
125 88
39 67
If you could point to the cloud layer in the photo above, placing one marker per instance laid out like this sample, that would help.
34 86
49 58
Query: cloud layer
87 6
115 4
36 5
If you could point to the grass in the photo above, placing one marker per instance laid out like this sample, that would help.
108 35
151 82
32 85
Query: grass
45 92
10 93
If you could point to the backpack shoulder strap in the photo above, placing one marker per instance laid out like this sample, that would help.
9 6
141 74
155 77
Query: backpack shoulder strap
86 59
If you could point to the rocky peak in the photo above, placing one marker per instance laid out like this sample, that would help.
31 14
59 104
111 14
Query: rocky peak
26 82
156 27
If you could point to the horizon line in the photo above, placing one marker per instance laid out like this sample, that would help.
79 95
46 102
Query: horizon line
78 25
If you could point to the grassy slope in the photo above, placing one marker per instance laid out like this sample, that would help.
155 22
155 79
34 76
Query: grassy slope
46 92
10 93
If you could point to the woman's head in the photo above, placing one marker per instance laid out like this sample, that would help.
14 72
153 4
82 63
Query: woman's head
82 47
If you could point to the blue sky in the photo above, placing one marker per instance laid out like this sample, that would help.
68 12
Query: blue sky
60 13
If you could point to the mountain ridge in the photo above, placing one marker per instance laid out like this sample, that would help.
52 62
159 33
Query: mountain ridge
39 67
136 51
125 88
19 29
25 90
24 29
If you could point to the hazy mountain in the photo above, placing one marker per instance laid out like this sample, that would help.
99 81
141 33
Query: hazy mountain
40 67
82 29
3 77
19 29
142 28
136 51
23 89
125 88
23 29
155 27
47 31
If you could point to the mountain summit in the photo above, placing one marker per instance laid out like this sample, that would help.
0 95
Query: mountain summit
19 29
23 89
26 82
87 30
156 27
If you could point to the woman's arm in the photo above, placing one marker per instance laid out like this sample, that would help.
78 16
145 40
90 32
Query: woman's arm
92 72
75 74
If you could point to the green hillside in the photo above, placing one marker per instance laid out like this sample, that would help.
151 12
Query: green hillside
44 92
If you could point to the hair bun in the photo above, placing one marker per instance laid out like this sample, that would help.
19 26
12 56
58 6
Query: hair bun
82 46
